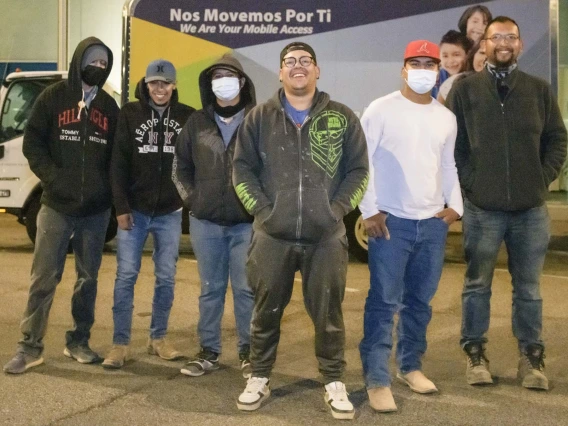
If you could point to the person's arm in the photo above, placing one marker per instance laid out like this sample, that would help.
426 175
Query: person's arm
356 165
121 165
247 165
450 182
553 140
183 167
36 141
462 152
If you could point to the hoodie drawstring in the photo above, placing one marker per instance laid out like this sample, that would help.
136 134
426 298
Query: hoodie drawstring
81 104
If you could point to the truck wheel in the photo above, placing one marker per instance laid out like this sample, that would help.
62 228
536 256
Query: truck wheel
31 217
357 236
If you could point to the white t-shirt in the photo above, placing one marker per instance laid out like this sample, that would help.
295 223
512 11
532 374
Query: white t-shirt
447 85
411 154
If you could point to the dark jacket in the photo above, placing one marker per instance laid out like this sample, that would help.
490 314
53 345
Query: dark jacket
70 151
203 165
143 154
300 182
507 154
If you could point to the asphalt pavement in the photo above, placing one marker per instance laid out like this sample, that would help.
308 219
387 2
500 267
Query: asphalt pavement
150 391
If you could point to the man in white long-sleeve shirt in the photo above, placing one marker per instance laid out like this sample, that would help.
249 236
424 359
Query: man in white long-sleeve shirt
412 197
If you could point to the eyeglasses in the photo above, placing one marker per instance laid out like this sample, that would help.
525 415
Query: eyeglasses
497 38
304 61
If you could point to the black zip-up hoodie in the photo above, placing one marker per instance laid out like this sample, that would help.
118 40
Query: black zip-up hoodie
299 182
507 152
69 148
142 158
203 166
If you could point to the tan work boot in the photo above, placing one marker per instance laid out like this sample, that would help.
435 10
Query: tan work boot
381 399
418 382
531 368
116 358
164 349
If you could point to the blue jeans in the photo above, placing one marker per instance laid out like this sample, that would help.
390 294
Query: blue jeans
166 231
526 235
405 272
221 253
54 230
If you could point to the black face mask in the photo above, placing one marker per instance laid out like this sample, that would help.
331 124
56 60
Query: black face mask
92 75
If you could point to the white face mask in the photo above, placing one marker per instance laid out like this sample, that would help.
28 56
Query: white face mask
421 81
226 88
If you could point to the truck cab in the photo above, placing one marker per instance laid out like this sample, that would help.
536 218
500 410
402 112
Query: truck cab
20 189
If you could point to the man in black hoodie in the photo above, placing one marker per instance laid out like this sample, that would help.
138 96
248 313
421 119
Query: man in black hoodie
510 146
147 202
300 166
220 226
68 143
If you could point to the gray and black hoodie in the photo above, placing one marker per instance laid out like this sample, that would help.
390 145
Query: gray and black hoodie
299 182
203 165
68 147
143 155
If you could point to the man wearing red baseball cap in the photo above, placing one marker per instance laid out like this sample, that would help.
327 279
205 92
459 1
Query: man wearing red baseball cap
410 140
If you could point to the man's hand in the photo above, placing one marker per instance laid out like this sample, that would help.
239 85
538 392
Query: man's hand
448 215
376 226
125 221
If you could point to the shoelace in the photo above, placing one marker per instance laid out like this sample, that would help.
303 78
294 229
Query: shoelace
535 361
477 358
338 393
255 384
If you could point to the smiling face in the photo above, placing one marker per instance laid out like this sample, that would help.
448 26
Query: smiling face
503 52
299 80
479 59
476 26
453 57
160 91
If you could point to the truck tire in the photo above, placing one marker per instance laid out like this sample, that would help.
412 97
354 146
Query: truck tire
357 236
31 217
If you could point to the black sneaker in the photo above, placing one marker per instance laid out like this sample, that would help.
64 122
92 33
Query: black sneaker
205 360
244 359
531 368
477 370
82 353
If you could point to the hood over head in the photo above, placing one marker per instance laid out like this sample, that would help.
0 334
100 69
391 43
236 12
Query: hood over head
227 61
75 67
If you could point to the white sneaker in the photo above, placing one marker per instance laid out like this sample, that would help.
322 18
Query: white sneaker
257 390
337 398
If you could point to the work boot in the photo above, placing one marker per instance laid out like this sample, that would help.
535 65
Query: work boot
116 358
531 368
418 382
477 370
164 349
381 399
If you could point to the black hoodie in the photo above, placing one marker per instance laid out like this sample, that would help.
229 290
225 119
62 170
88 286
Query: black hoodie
203 166
69 148
142 158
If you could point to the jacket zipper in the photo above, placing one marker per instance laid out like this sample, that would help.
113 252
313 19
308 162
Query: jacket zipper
83 155
507 154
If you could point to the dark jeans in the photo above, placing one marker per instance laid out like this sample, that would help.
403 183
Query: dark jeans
271 266
526 235
405 272
54 230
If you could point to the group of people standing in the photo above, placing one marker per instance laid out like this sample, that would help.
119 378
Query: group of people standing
267 187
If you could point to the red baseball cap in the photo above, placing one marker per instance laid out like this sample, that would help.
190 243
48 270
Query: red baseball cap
424 48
